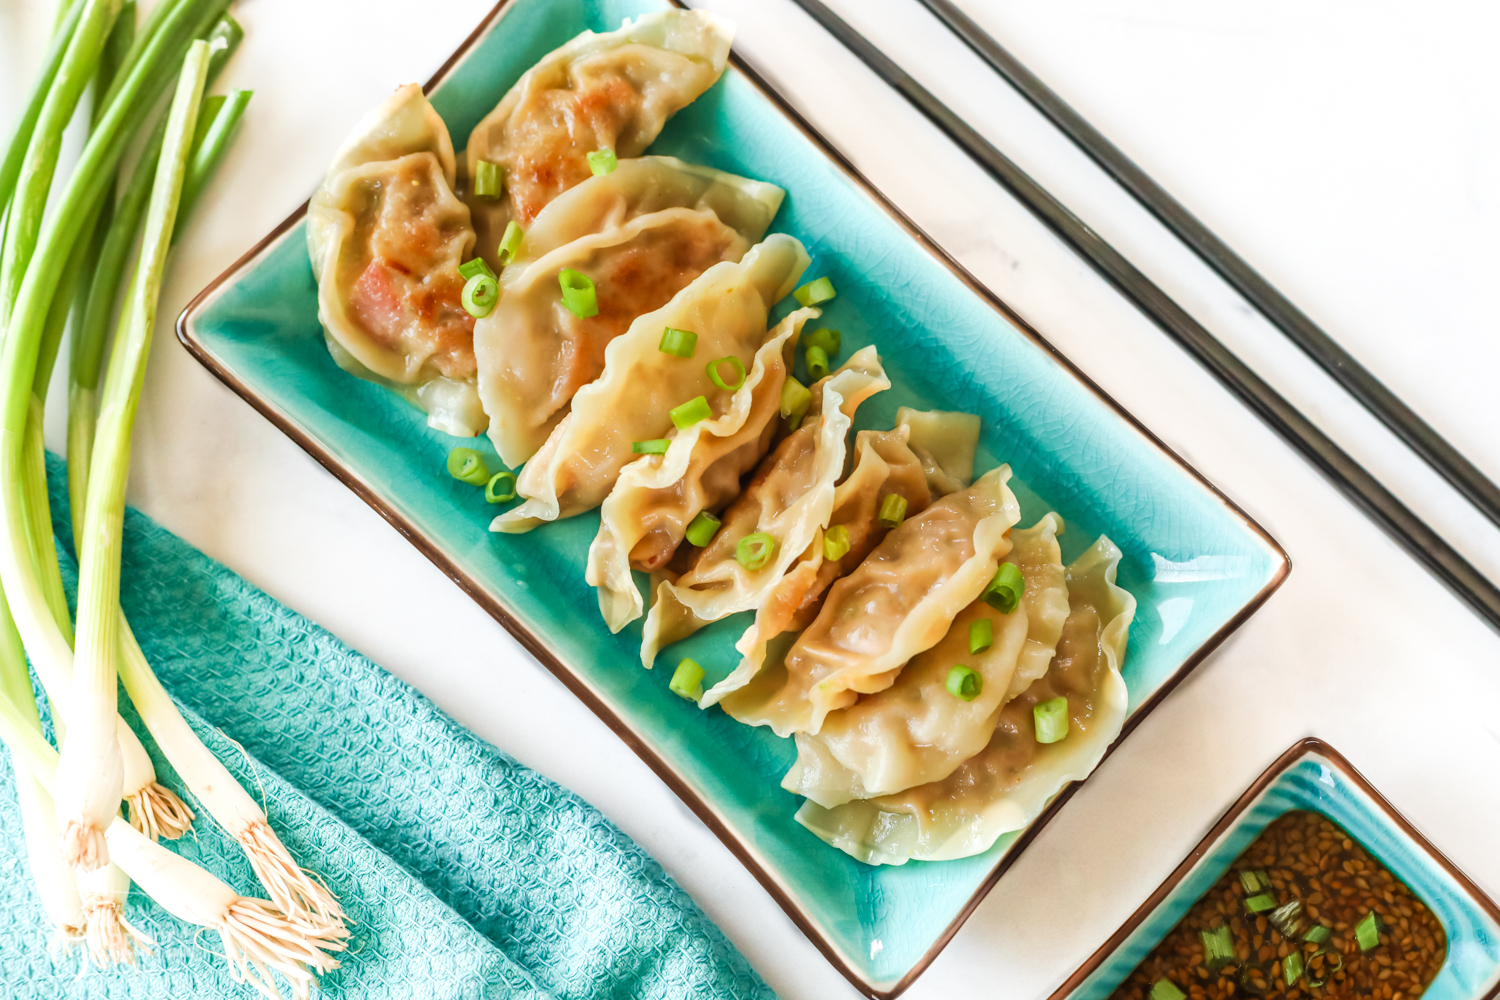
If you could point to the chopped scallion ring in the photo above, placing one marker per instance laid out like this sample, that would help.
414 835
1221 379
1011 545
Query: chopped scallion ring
795 398
814 292
1005 590
500 487
1165 989
510 242
981 635
836 543
687 680
603 161
1367 931
703 529
1218 947
964 683
1292 968
1261 903
828 340
655 446
754 551
678 343
578 293
1254 882
691 412
1317 934
817 363
489 179
892 510
469 268
481 292
1051 719
792 423
718 380
467 465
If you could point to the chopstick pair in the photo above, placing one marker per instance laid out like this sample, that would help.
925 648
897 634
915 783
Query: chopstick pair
1357 484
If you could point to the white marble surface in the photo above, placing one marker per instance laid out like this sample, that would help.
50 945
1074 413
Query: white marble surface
1349 148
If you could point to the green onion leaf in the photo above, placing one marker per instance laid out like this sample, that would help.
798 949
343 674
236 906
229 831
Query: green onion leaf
467 465
814 292
603 161
691 412
656 446
754 551
964 682
718 380
687 680
1253 882
828 340
678 343
1005 590
892 510
510 242
489 179
817 363
703 529
1261 903
1051 719
500 488
1165 989
578 293
469 268
836 543
1291 967
1218 947
1317 934
981 635
1367 932
481 292
795 398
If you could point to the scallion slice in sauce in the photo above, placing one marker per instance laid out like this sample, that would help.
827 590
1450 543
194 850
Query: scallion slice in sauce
1165 989
1218 947
1367 931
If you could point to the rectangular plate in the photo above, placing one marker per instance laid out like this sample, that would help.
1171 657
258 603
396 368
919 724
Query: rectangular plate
1314 776
1198 566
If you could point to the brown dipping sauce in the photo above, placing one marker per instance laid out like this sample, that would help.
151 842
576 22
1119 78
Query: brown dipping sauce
1308 858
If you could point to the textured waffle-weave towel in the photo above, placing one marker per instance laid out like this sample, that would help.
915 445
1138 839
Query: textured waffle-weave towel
467 874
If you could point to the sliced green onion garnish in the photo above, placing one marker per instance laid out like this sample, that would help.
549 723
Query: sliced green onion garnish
578 293
828 340
703 529
814 292
1317 934
481 292
691 412
892 510
1331 968
964 682
603 161
1367 932
795 398
836 543
687 680
1005 590
510 242
792 423
467 465
817 363
1051 718
656 446
1261 903
717 379
678 343
1165 989
489 179
1251 882
1287 919
981 635
1291 967
500 488
1218 947
470 268
755 551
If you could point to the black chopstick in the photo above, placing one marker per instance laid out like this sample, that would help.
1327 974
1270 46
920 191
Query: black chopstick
1357 380
1363 489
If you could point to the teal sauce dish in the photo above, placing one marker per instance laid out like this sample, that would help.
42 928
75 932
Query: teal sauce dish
1315 777
1195 562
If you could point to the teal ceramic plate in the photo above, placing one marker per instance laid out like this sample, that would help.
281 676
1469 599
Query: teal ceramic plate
1195 562
1314 776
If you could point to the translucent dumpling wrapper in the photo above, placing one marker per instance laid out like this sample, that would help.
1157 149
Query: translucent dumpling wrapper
945 441
641 233
727 307
897 603
646 515
790 499
1008 783
386 234
611 91
916 731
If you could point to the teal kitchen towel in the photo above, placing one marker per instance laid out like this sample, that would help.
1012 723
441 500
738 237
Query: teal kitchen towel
366 777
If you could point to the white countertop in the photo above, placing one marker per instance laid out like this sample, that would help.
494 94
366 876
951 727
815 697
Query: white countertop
1349 149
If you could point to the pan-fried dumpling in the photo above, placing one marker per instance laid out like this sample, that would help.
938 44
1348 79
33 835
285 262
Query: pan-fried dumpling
790 498
641 233
897 603
646 515
1008 783
916 731
610 91
727 307
386 235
